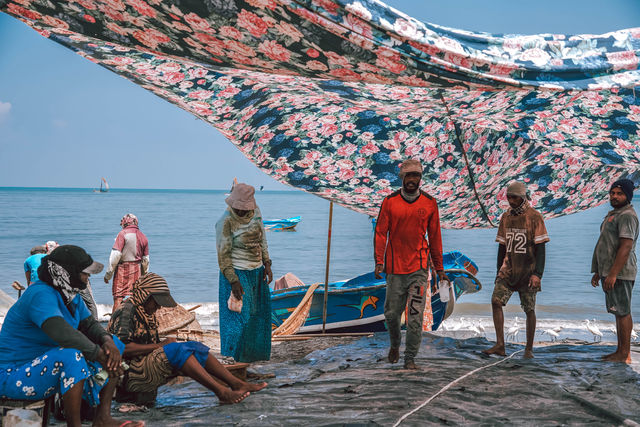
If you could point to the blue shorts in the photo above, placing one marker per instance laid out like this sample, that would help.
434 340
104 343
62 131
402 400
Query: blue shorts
178 352
56 371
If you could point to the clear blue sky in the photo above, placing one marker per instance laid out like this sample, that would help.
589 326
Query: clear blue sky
65 121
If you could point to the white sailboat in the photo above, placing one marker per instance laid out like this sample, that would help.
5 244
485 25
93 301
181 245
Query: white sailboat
104 186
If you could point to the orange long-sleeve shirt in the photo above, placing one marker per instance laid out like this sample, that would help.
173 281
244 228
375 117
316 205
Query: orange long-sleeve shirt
400 241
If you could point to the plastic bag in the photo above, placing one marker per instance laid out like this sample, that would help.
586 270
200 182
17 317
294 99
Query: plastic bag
234 304
445 285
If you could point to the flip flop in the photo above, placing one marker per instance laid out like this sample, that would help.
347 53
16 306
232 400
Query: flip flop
131 423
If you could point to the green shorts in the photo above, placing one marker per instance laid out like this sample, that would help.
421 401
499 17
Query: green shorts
618 300
502 293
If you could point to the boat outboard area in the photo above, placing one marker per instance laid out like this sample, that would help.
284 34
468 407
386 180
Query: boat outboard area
352 383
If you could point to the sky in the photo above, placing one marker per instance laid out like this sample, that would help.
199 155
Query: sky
65 122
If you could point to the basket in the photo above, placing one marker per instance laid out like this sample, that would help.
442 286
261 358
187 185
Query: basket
173 318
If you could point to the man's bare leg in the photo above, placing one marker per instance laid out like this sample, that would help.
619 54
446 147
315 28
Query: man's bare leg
116 303
615 353
194 370
498 324
624 336
531 332
217 369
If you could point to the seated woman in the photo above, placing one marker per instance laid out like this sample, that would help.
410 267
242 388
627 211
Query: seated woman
50 343
153 362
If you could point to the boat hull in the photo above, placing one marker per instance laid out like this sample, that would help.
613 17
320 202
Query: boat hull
357 305
286 224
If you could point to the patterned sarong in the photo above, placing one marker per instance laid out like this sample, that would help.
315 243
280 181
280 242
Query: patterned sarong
246 336
56 371
126 274
147 373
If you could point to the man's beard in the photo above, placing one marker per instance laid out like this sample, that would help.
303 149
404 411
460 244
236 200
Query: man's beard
617 205
410 190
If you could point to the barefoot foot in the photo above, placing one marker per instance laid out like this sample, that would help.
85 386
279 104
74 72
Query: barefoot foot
619 358
253 386
496 349
394 355
610 355
233 396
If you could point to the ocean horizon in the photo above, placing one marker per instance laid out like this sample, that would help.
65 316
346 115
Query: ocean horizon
180 225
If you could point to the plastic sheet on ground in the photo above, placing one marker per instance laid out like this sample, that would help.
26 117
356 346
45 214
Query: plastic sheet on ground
353 384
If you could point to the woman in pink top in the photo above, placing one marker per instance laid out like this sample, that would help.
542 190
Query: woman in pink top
128 260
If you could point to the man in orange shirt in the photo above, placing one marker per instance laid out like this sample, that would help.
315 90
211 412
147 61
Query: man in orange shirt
403 252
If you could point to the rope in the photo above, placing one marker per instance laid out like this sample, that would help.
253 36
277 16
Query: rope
448 386
466 161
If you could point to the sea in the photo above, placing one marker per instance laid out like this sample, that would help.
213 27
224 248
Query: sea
180 226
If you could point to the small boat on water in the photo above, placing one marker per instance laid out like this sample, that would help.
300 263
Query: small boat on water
281 224
104 186
357 305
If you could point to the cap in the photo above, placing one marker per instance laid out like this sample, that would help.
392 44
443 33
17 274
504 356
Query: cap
164 299
517 188
75 256
408 166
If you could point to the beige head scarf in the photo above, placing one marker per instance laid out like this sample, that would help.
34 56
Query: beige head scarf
241 197
517 188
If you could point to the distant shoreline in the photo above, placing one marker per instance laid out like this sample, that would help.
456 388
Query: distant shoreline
130 190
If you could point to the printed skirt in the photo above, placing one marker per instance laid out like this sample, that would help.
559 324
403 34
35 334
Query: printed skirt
246 336
56 371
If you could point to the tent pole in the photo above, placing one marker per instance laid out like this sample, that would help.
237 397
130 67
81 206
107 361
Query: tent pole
326 272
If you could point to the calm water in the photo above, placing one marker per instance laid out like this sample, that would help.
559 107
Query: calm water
180 228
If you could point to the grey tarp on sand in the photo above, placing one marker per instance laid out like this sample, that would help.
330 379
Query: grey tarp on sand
352 384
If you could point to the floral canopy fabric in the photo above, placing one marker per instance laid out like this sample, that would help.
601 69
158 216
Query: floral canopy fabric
330 96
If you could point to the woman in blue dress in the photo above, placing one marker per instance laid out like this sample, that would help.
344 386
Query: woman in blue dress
245 272
50 343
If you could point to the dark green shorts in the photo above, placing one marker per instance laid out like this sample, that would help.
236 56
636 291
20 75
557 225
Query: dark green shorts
618 300
502 293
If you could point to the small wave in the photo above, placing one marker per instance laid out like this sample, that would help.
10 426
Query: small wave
547 329
206 313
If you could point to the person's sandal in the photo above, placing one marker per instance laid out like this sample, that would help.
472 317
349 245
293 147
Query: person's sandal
394 355
410 364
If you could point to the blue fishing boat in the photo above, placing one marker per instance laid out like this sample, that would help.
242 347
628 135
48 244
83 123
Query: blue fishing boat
357 305
281 224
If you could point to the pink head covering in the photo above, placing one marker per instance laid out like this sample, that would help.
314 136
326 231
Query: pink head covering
51 245
241 197
128 220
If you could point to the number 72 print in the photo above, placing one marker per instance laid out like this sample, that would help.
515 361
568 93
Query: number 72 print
518 241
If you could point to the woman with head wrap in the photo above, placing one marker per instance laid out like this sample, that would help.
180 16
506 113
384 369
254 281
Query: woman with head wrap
50 343
245 271
154 362
128 260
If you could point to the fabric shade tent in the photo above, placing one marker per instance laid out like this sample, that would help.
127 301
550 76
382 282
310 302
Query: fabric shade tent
329 96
